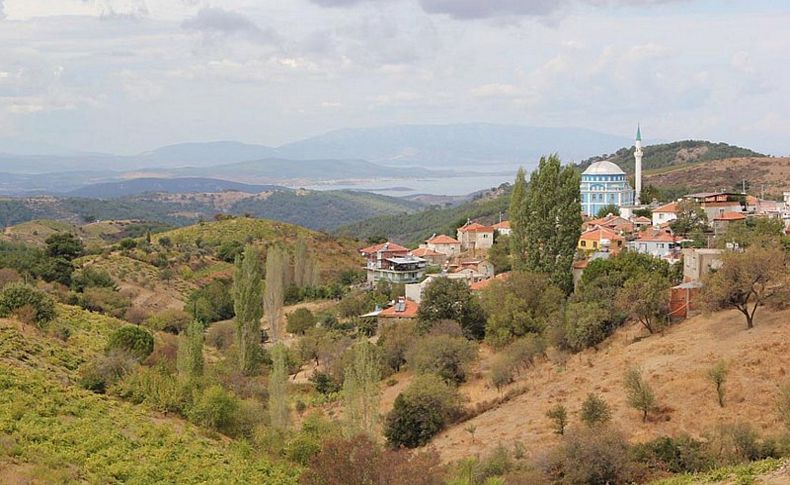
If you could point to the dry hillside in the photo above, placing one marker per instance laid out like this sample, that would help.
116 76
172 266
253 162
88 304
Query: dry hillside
675 364
773 173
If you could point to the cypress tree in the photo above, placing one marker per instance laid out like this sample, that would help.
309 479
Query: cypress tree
518 220
247 303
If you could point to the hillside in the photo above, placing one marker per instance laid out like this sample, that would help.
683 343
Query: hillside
675 364
96 233
413 229
52 431
671 154
125 188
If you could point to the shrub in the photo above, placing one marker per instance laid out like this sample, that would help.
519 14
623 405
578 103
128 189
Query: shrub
221 335
595 411
446 299
718 376
502 370
211 303
90 277
136 315
127 243
394 342
324 383
300 320
443 355
640 395
739 442
559 416
586 325
420 412
681 454
215 408
783 404
8 276
16 296
155 387
100 374
104 300
133 339
171 321
525 350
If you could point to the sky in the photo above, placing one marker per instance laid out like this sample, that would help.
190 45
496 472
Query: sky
125 76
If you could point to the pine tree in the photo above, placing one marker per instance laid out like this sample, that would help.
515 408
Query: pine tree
247 304
274 294
278 389
518 219
190 361
361 390
551 224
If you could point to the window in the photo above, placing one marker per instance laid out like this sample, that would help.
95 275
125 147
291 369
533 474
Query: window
584 244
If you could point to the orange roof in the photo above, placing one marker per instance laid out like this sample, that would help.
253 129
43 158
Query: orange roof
409 312
730 216
642 219
502 225
387 246
657 235
475 227
671 207
442 239
581 264
598 232
480 285
423 252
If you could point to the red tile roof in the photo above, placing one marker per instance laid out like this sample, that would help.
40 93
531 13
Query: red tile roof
730 216
409 312
642 219
656 235
598 232
671 207
502 225
581 264
442 239
480 285
423 252
475 227
387 246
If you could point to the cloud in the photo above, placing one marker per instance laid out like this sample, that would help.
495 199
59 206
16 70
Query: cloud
218 22
2 10
121 8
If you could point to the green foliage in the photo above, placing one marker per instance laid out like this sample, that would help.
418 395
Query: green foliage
133 339
394 343
127 244
754 230
586 325
211 303
783 404
248 308
229 250
595 411
718 377
606 210
105 370
277 263
502 371
104 300
499 254
64 245
170 320
361 393
278 389
17 296
645 298
444 355
420 412
447 299
639 394
91 277
190 352
519 220
300 321
691 218
593 456
681 454
523 304
155 387
215 408
559 416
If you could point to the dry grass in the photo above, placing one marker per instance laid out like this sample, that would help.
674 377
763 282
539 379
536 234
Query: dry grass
773 173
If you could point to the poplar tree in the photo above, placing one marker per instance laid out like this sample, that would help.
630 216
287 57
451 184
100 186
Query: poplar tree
190 361
247 304
300 263
518 220
361 390
278 389
549 221
274 294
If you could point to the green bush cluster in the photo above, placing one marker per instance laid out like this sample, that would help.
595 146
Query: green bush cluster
17 297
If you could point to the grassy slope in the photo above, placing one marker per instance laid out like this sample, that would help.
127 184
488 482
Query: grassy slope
53 431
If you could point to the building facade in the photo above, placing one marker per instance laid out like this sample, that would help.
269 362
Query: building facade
475 236
392 262
604 184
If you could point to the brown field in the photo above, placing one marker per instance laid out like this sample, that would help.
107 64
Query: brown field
770 172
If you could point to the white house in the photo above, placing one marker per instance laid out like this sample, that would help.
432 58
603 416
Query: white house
665 213
443 244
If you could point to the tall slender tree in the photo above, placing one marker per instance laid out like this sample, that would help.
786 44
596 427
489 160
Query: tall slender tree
274 294
300 263
549 221
361 390
518 220
190 361
278 388
247 304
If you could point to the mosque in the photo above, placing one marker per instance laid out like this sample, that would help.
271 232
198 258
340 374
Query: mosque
604 183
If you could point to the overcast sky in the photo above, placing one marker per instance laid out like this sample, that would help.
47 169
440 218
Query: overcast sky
129 75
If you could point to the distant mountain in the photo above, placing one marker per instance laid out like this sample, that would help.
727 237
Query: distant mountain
204 154
673 154
453 144
125 188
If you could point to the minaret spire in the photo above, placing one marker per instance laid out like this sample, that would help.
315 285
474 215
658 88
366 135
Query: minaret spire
638 165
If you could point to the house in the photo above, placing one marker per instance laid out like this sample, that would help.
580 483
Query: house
403 309
432 257
619 224
476 269
641 222
474 236
722 222
483 284
698 262
414 291
657 242
716 204
443 244
665 213
503 228
392 262
601 239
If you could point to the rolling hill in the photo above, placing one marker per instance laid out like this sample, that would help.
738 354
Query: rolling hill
126 188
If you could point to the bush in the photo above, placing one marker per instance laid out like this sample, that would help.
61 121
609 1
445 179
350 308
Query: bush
593 456
718 376
171 321
221 335
8 276
640 395
502 370
17 296
215 408
443 355
421 411
100 374
104 300
300 320
586 325
446 299
595 411
155 387
324 383
133 339
90 277
559 416
394 343
211 303
681 454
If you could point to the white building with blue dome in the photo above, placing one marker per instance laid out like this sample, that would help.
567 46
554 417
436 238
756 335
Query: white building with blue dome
603 184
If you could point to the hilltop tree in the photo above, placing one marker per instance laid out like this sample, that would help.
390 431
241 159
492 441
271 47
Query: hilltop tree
190 352
278 388
645 298
361 389
747 280
274 295
247 305
518 219
547 222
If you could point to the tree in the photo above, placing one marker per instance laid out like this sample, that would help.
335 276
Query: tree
559 416
639 394
783 404
718 376
64 245
645 298
691 218
300 263
447 299
499 254
547 222
190 352
133 339
361 389
300 321
747 280
444 355
606 210
586 325
278 388
518 220
595 411
421 411
15 297
274 295
247 306
522 304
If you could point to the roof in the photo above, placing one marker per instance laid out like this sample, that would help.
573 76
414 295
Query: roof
424 252
598 232
730 216
638 133
442 239
502 225
671 207
475 227
387 246
407 310
641 219
656 235
603 168
480 285
406 260
580 264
